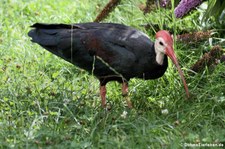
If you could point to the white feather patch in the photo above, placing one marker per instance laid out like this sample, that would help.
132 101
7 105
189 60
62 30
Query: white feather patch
138 34
159 57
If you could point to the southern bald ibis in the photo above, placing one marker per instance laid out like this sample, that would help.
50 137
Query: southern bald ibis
112 52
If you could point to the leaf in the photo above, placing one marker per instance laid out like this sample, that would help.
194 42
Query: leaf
215 9
55 74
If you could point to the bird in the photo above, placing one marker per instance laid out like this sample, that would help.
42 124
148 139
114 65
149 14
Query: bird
109 51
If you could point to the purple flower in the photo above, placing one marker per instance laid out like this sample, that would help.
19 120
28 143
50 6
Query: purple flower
185 6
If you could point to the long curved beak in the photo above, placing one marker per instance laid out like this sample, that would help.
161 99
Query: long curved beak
172 56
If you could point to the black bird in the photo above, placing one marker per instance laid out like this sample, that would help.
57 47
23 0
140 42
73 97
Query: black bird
112 52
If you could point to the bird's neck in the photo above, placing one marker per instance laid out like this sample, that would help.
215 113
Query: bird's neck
159 57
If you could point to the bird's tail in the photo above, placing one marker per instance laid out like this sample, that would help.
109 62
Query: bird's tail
53 37
47 34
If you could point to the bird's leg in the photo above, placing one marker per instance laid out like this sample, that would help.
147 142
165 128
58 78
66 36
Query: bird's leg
103 94
125 94
125 89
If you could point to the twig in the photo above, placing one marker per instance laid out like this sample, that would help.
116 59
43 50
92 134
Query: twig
150 5
208 59
106 10
194 37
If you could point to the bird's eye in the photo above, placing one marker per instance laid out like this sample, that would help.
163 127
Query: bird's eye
161 43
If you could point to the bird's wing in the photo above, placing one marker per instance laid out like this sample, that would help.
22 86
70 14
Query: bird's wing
122 47
118 46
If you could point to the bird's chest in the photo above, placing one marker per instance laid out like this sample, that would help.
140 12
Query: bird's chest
151 69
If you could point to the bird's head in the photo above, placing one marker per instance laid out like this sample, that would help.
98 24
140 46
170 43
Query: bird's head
164 45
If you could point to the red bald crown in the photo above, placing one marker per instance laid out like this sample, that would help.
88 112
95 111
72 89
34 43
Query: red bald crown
166 36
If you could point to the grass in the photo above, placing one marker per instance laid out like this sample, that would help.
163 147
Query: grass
46 102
